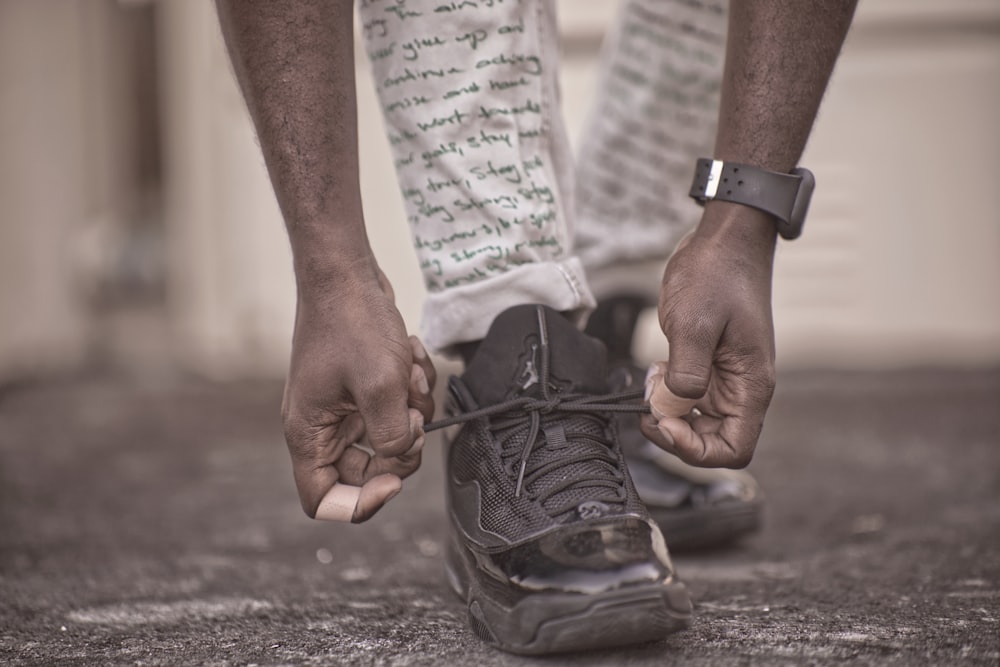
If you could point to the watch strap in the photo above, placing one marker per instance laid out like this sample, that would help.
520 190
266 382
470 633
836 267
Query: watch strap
784 196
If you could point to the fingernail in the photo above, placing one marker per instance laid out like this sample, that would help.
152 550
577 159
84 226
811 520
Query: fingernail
418 349
393 494
422 384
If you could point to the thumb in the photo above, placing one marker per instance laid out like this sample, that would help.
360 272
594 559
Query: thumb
689 367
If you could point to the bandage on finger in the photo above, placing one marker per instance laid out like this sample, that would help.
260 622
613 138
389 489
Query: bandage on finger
344 502
339 503
664 403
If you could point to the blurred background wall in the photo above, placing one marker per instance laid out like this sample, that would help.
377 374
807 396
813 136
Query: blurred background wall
138 230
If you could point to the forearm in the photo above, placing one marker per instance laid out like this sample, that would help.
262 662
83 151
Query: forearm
295 64
779 58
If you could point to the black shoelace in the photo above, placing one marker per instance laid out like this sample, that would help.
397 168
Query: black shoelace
528 417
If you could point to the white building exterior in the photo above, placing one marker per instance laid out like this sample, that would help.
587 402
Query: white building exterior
899 264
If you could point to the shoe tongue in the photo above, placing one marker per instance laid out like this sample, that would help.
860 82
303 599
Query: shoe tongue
508 362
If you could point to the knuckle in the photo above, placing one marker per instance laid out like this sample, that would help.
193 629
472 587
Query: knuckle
390 437
768 377
411 465
302 436
296 429
741 458
770 380
740 451
698 457
383 383
763 386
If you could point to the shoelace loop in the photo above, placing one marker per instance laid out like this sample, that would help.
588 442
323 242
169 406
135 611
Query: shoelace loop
532 409
617 402
535 407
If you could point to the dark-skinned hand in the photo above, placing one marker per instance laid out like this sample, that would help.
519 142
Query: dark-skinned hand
357 396
715 309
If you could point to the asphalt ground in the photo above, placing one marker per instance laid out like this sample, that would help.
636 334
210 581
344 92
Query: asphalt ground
156 523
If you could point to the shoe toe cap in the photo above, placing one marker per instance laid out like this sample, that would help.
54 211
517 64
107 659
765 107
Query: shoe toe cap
587 557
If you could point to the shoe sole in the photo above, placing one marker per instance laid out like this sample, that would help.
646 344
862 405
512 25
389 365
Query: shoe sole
689 530
559 622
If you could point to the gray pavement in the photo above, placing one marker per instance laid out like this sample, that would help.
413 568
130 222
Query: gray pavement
154 524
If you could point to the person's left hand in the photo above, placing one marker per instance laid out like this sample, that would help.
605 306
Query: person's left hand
715 309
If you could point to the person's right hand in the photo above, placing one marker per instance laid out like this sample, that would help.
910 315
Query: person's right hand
355 378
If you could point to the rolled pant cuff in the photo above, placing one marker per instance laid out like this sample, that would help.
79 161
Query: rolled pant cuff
465 313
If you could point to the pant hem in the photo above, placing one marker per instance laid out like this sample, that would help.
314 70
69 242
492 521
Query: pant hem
465 313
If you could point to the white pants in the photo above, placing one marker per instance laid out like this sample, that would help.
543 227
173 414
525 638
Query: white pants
500 214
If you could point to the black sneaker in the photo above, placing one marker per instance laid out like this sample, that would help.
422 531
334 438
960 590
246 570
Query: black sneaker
696 508
550 546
